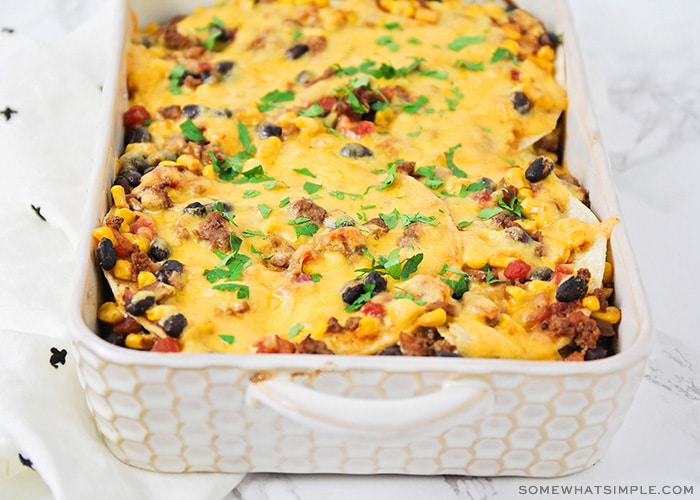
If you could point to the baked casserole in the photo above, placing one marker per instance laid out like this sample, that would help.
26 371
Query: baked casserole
355 177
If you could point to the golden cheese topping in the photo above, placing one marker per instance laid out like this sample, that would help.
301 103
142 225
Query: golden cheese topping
358 177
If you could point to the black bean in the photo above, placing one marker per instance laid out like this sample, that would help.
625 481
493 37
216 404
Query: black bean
489 185
159 249
392 350
120 180
355 150
376 279
223 67
296 51
539 169
137 134
222 206
520 102
174 325
196 208
352 291
572 289
191 110
169 272
550 39
541 273
268 129
132 175
140 303
305 77
106 254
139 161
225 112
518 234
597 353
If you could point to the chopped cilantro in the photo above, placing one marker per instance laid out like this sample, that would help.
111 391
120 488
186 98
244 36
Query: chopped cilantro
449 159
230 269
413 107
243 291
284 202
502 53
387 41
229 339
403 294
250 193
305 171
249 233
264 210
459 43
464 223
272 99
471 66
314 110
414 41
393 26
293 331
176 75
191 131
434 73
311 187
390 175
368 292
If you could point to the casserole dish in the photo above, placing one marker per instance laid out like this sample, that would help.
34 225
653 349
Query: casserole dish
354 414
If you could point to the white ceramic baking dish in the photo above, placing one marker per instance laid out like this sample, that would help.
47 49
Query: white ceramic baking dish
354 414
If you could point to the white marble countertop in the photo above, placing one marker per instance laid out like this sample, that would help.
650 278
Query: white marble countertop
644 64
641 54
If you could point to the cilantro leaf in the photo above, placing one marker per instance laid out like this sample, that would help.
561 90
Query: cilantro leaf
368 292
176 75
264 210
471 66
502 53
229 339
449 159
390 175
388 42
293 331
411 266
314 110
272 99
191 131
459 43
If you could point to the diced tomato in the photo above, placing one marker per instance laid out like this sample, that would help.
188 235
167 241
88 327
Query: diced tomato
135 116
514 74
166 344
373 309
327 103
561 271
144 226
517 269
363 128
350 128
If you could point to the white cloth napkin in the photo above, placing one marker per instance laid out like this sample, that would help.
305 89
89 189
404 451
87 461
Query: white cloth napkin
51 73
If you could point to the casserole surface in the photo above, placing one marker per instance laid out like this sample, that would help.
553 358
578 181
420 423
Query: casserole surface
411 189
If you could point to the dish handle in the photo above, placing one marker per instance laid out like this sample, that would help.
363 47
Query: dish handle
456 402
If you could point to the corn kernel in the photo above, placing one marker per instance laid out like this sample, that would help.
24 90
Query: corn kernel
125 214
546 52
158 312
122 269
140 341
189 161
119 196
139 241
608 273
145 278
515 177
511 45
368 326
208 171
476 254
611 315
474 10
436 317
525 193
518 294
269 149
109 313
493 10
511 33
427 16
103 232
384 117
591 303
500 260
167 163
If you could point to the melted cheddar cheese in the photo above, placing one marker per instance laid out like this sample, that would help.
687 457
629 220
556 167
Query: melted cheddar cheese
349 173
